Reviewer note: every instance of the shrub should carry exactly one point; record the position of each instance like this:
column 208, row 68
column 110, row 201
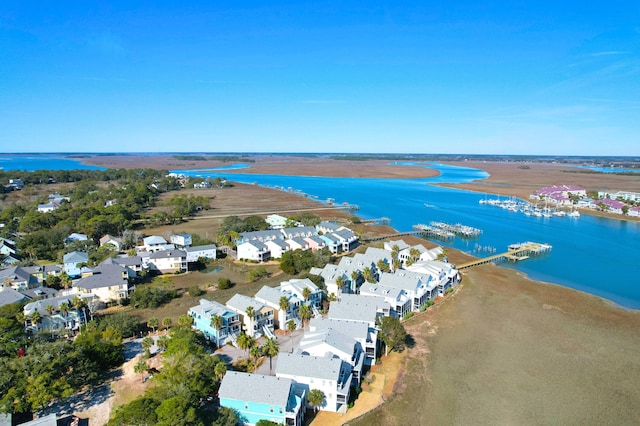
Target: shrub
column 195, row 291
column 407, row 316
column 224, row 283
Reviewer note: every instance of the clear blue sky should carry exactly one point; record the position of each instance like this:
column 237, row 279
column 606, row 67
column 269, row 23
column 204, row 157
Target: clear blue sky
column 504, row 77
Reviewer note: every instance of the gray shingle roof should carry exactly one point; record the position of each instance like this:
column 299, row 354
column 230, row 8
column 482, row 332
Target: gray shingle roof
column 76, row 257
column 333, row 338
column 240, row 303
column 356, row 308
column 164, row 254
column 323, row 368
column 103, row 276
column 255, row 388
column 9, row 295
column 200, row 248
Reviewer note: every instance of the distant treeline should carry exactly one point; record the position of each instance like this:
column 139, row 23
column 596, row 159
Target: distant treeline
column 596, row 172
column 53, row 176
column 222, row 158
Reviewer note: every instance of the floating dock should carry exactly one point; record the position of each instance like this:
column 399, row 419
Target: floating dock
column 515, row 253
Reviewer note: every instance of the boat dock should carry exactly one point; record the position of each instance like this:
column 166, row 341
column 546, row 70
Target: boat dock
column 458, row 229
column 515, row 252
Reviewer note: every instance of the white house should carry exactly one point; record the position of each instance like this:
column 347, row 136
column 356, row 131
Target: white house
column 260, row 322
column 181, row 240
column 276, row 221
column 254, row 250
column 167, row 261
column 277, row 248
column 155, row 243
column 115, row 242
column 108, row 282
column 196, row 252
column 332, row 376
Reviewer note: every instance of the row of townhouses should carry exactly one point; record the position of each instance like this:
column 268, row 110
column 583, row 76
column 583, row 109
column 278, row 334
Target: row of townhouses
column 333, row 351
column 261, row 246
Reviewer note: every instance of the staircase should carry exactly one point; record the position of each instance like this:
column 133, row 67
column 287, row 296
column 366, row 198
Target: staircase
column 268, row 332
column 233, row 339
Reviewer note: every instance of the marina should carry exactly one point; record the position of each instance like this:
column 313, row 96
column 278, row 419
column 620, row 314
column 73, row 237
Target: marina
column 514, row 253
column 518, row 206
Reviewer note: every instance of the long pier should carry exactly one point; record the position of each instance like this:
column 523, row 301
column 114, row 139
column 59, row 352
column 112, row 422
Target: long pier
column 515, row 252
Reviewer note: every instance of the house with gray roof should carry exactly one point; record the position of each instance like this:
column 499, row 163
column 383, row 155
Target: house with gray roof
column 348, row 239
column 253, row 250
column 256, row 397
column 333, row 343
column 315, row 243
column 260, row 322
column 270, row 296
column 167, row 261
column 443, row 274
column 133, row 264
column 365, row 335
column 155, row 243
column 299, row 232
column 418, row 287
column 298, row 243
column 208, row 251
column 332, row 376
column 388, row 245
column 261, row 236
column 18, row 278
column 9, row 296
column 356, row 307
column 276, row 248
column 328, row 227
column 230, row 321
column 107, row 282
column 398, row 300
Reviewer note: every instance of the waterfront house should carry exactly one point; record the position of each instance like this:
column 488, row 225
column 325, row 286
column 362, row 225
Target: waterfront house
column 418, row 287
column 331, row 376
column 107, row 282
column 400, row 244
column 442, row 274
column 256, row 397
column 611, row 206
column 202, row 185
column 399, row 302
column 228, row 330
column 634, row 211
column 253, row 250
column 194, row 253
column 361, row 331
column 261, row 320
column 347, row 238
column 331, row 343
column 328, row 227
column 73, row 263
column 559, row 194
column 167, row 261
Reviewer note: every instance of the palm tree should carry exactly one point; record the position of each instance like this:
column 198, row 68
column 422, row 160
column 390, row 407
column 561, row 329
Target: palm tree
column 147, row 343
column 64, row 309
column 284, row 303
column 141, row 367
column 250, row 313
column 414, row 253
column 304, row 313
column 256, row 353
column 35, row 319
column 355, row 275
column 306, row 293
column 339, row 282
column 50, row 309
column 291, row 326
column 220, row 369
column 367, row 273
column 163, row 342
column 166, row 322
column 185, row 320
column 22, row 318
column 245, row 342
column 77, row 303
column 315, row 398
column 152, row 323
column 217, row 322
column 395, row 251
column 382, row 265
column 271, row 349
column 396, row 263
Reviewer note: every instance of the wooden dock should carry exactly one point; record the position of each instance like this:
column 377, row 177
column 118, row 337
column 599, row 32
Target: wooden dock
column 516, row 252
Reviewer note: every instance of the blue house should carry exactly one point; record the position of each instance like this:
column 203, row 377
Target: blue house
column 255, row 397
column 73, row 261
column 206, row 310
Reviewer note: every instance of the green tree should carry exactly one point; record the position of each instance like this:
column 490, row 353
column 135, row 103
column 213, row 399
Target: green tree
column 255, row 352
column 166, row 322
column 220, row 370
column 140, row 412
column 147, row 343
column 315, row 398
column 185, row 320
column 250, row 314
column 50, row 309
column 141, row 367
column 152, row 323
column 304, row 313
column 271, row 349
column 392, row 333
column 306, row 293
column 217, row 322
column 284, row 304
column 176, row 411
column 291, row 326
column 245, row 342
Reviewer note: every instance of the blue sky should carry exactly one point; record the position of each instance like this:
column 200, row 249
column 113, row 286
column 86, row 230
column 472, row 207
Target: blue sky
column 513, row 77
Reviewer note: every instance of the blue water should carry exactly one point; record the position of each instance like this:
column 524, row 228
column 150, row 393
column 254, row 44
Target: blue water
column 591, row 254
column 609, row 169
column 30, row 163
column 237, row 166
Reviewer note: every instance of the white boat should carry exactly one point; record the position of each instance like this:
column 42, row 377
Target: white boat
column 574, row 214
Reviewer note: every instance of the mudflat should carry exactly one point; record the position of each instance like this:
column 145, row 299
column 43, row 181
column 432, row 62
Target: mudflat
column 508, row 350
column 270, row 164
